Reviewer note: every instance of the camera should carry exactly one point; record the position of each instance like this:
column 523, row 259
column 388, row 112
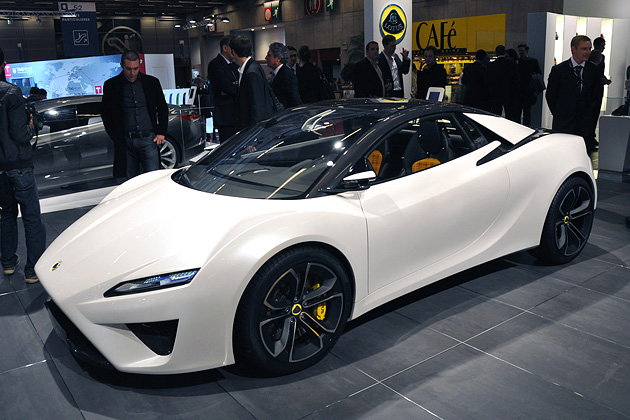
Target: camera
column 38, row 120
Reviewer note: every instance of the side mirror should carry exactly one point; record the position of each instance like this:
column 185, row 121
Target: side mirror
column 358, row 181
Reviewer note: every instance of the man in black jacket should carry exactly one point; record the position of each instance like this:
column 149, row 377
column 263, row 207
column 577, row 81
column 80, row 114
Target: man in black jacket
column 502, row 85
column 392, row 67
column 135, row 116
column 432, row 74
column 571, row 92
column 368, row 77
column 474, row 78
column 17, row 183
column 283, row 82
column 223, row 77
column 527, row 66
column 254, row 97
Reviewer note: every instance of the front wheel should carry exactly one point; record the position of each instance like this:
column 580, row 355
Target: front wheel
column 568, row 223
column 292, row 312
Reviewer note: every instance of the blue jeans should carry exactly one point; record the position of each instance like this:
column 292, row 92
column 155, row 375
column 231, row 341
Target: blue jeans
column 143, row 155
column 17, row 187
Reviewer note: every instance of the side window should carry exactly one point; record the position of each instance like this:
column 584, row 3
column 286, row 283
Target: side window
column 60, row 118
column 421, row 144
column 89, row 113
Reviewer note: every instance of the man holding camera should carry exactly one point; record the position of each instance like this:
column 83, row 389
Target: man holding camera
column 17, row 183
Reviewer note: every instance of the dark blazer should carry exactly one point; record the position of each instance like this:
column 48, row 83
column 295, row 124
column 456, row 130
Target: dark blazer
column 223, row 79
column 572, row 110
column 254, row 97
column 527, row 67
column 309, row 83
column 502, row 81
column 112, row 113
column 403, row 68
column 367, row 84
column 285, row 87
column 434, row 76
column 474, row 78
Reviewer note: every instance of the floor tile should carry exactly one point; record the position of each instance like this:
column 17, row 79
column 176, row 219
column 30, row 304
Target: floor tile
column 388, row 344
column 21, row 345
column 36, row 391
column 375, row 403
column 582, row 363
column 458, row 312
column 464, row 383
column 589, row 311
column 615, row 281
column 147, row 397
column 295, row 396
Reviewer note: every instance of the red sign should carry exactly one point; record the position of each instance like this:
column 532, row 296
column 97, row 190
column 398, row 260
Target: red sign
column 268, row 13
column 98, row 90
column 312, row 7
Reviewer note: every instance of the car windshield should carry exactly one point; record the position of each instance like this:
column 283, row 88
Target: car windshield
column 284, row 157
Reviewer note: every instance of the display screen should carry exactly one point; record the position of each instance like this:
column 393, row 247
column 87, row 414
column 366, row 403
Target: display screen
column 68, row 77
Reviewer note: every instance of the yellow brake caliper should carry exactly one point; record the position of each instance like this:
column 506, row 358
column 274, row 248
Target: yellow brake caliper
column 320, row 310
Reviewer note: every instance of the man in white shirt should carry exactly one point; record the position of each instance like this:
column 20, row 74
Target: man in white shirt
column 392, row 67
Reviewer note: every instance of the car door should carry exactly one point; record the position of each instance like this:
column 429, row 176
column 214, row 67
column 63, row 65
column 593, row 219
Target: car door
column 95, row 146
column 418, row 217
column 56, row 155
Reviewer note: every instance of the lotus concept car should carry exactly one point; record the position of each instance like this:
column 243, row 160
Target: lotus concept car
column 263, row 250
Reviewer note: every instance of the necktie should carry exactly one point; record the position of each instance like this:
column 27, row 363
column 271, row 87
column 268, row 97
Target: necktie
column 578, row 75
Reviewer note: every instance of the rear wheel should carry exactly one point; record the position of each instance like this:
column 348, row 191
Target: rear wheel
column 169, row 154
column 293, row 311
column 568, row 223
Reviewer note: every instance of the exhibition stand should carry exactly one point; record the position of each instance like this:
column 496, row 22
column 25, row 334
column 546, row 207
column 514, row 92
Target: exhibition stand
column 614, row 143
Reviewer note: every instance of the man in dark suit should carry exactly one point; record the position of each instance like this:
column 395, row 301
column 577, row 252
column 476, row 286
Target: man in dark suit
column 572, row 92
column 135, row 116
column 393, row 67
column 368, row 77
column 432, row 74
column 223, row 77
column 502, row 85
column 254, row 97
column 283, row 82
column 527, row 66
column 474, row 78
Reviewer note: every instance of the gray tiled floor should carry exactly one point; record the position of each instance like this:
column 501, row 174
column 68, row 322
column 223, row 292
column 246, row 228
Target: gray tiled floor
column 510, row 339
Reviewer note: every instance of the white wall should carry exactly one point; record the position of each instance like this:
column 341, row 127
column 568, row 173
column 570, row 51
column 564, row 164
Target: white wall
column 161, row 66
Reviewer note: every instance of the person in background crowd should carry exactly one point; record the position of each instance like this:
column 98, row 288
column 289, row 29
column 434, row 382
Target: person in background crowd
column 308, row 77
column 368, row 77
column 432, row 74
column 223, row 77
column 254, row 93
column 43, row 94
column 33, row 95
column 511, row 54
column 392, row 67
column 526, row 97
column 597, row 57
column 292, row 63
column 572, row 92
column 17, row 184
column 502, row 85
column 283, row 82
column 135, row 116
column 474, row 79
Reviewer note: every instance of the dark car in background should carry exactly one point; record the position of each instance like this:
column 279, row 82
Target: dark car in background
column 73, row 148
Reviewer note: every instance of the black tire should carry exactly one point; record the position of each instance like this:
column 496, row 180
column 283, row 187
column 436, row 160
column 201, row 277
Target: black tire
column 169, row 154
column 568, row 223
column 292, row 312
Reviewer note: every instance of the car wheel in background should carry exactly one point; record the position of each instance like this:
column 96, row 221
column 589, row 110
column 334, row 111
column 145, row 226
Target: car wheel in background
column 292, row 312
column 169, row 154
column 568, row 223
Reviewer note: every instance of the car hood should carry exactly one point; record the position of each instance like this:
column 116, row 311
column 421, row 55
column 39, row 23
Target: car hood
column 148, row 226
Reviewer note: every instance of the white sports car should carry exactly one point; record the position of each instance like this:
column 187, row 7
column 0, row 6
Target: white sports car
column 260, row 252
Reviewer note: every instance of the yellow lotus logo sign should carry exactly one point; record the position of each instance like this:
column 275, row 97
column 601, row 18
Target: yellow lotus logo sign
column 393, row 22
column 55, row 266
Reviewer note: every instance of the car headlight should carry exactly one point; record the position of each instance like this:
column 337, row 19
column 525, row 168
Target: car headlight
column 151, row 283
